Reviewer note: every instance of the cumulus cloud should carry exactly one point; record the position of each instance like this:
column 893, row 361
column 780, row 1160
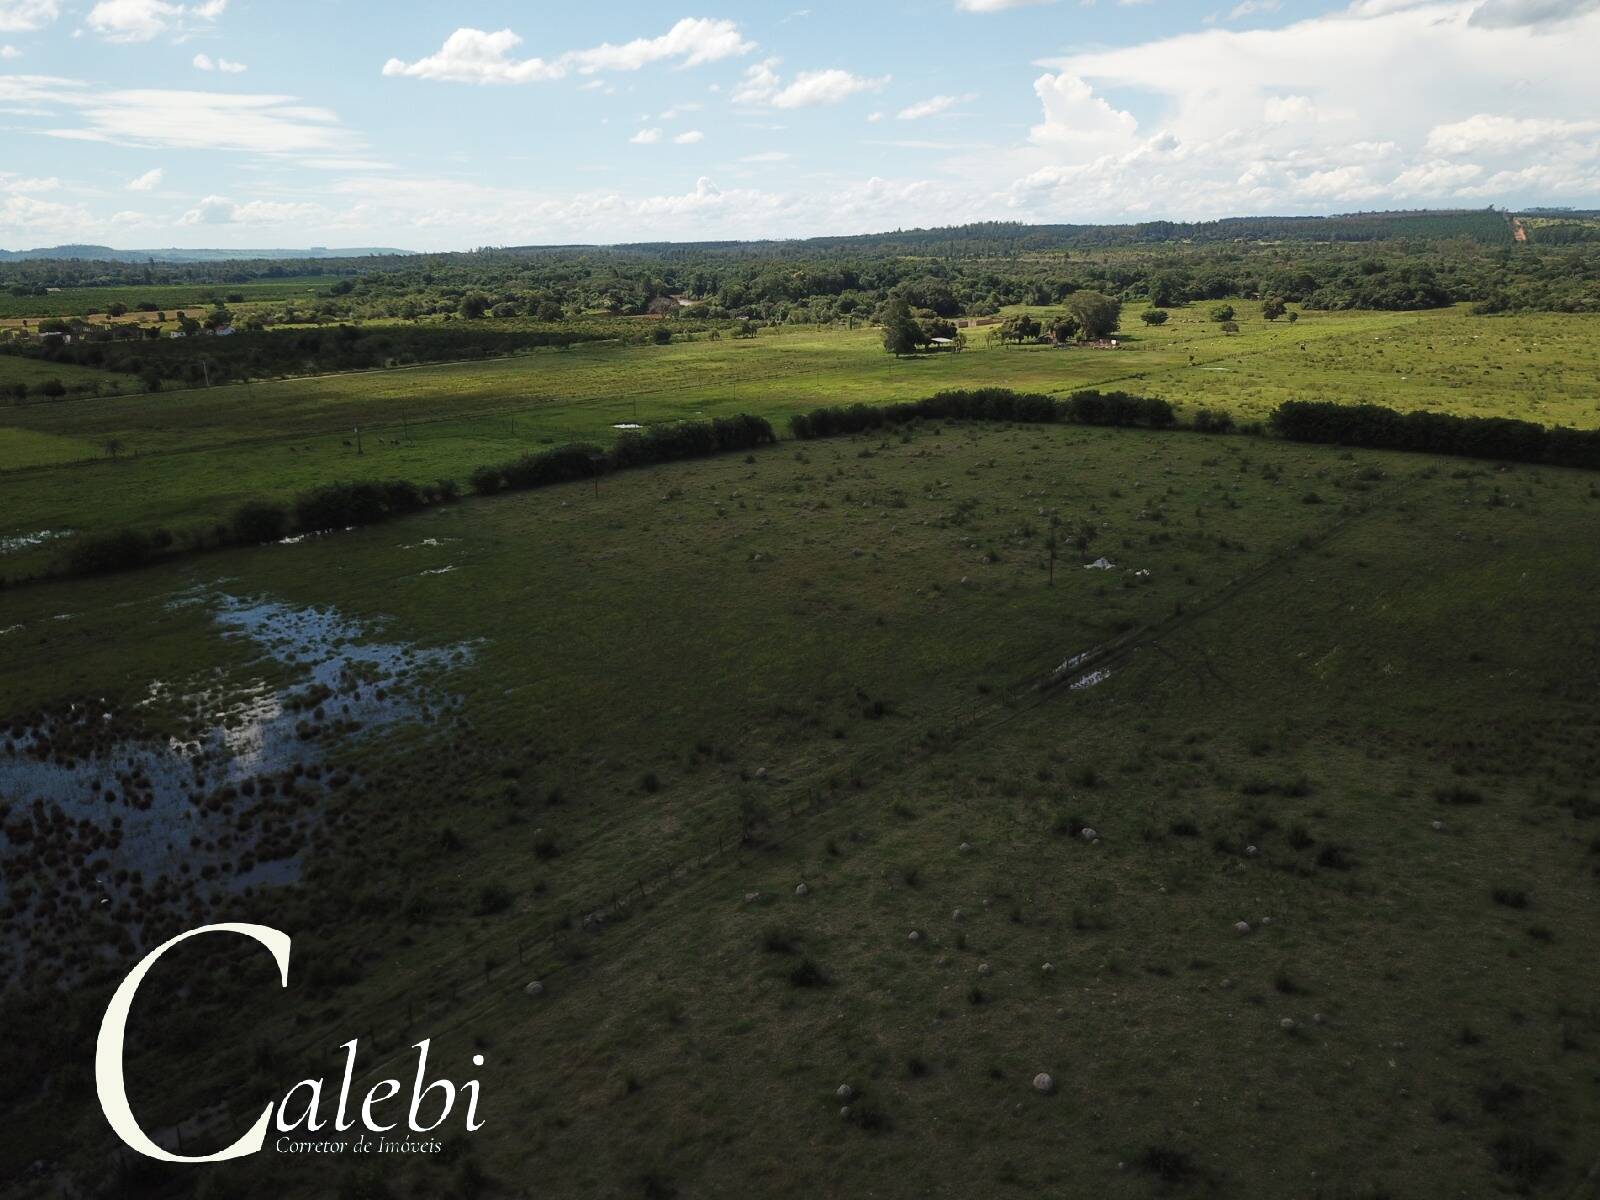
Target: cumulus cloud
column 1290, row 119
column 1073, row 114
column 1494, row 134
column 690, row 137
column 148, row 182
column 204, row 62
column 762, row 85
column 143, row 20
column 24, row 16
column 9, row 51
column 646, row 137
column 219, row 210
column 474, row 56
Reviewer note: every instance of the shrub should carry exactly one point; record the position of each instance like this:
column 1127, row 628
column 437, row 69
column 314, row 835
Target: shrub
column 116, row 551
column 1212, row 420
column 486, row 481
column 259, row 521
column 1374, row 427
column 492, row 898
column 807, row 974
column 339, row 505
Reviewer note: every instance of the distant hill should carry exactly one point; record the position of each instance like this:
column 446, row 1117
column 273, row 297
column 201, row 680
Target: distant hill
column 107, row 254
column 1487, row 226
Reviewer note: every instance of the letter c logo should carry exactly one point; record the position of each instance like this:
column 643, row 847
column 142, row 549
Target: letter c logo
column 108, row 1050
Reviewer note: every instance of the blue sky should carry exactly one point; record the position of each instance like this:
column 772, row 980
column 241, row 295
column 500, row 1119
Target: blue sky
column 427, row 126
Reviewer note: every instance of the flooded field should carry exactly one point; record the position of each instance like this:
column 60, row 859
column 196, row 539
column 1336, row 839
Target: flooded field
column 114, row 820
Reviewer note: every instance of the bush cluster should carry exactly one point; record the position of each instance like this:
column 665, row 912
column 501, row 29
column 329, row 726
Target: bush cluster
column 990, row 404
column 1377, row 428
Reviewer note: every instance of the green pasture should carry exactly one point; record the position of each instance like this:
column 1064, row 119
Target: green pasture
column 187, row 458
column 31, row 372
column 834, row 649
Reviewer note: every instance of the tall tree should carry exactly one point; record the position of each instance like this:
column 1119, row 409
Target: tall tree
column 901, row 333
column 1098, row 314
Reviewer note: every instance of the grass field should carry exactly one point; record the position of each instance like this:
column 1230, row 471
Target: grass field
column 822, row 665
column 191, row 456
column 31, row 372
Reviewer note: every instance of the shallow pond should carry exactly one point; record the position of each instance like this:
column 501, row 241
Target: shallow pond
column 94, row 818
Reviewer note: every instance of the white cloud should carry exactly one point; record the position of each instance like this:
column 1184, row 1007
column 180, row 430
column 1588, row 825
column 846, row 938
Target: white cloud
column 24, row 16
column 988, row 6
column 933, row 106
column 47, row 221
column 689, row 138
column 763, row 85
column 474, row 56
column 143, row 20
column 1074, row 114
column 1289, row 110
column 17, row 184
column 219, row 210
column 193, row 120
column 9, row 52
column 204, row 62
column 1498, row 134
column 1349, row 108
column 147, row 182
column 646, row 137
column 1247, row 8
column 1507, row 14
column 759, row 84
column 1435, row 178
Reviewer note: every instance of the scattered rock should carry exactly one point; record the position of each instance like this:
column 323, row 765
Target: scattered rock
column 914, row 936
column 966, row 847
column 1286, row 1024
column 1088, row 835
column 1251, row 851
column 1048, row 969
column 844, row 1113
column 752, row 897
column 1043, row 1084
column 534, row 989
column 801, row 889
column 1438, row 826
column 983, row 969
column 1241, row 927
column 1318, row 1018
column 958, row 915
column 845, row 1092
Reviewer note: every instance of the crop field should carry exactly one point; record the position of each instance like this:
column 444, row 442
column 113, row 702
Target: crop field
column 189, row 457
column 598, row 738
